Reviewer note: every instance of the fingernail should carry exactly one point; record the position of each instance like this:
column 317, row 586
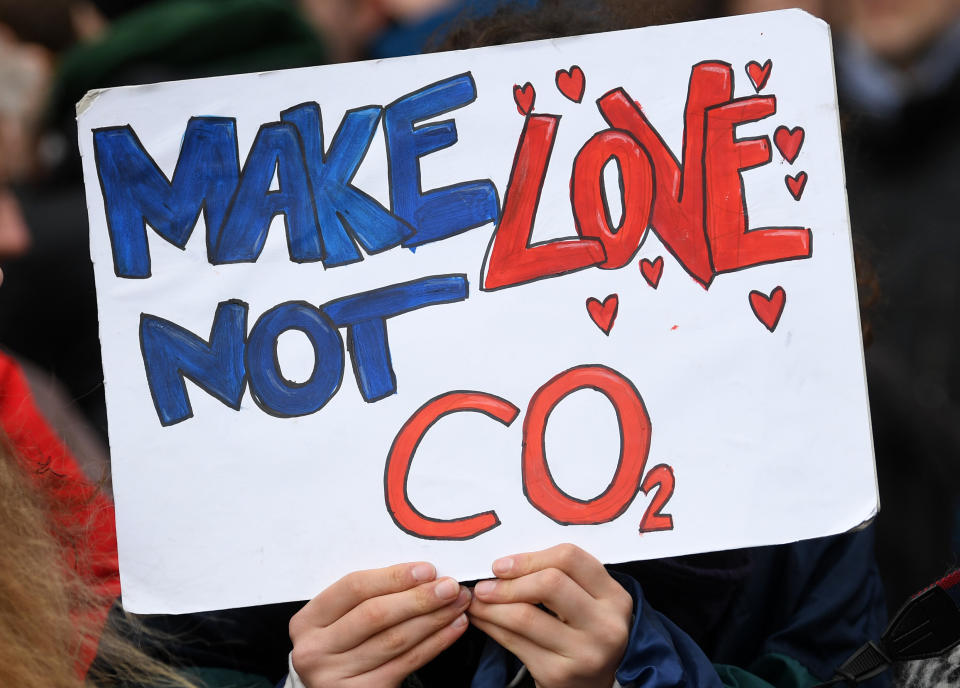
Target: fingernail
column 485, row 587
column 464, row 597
column 447, row 589
column 460, row 621
column 502, row 566
column 423, row 572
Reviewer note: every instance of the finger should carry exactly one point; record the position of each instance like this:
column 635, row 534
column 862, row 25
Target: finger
column 582, row 567
column 396, row 640
column 528, row 621
column 551, row 587
column 376, row 615
column 528, row 652
column 417, row 656
column 354, row 588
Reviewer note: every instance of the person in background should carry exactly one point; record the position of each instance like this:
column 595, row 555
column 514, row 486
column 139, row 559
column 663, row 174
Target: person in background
column 898, row 65
column 62, row 625
column 59, row 579
column 26, row 68
column 58, row 570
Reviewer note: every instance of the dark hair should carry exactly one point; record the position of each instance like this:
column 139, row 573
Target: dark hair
column 48, row 580
column 111, row 9
column 515, row 23
column 48, row 23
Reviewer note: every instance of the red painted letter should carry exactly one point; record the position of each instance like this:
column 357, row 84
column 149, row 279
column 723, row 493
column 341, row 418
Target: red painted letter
column 538, row 483
column 510, row 259
column 732, row 244
column 678, row 209
column 405, row 445
column 590, row 208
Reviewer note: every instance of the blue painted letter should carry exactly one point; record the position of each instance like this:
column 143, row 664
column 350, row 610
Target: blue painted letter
column 136, row 191
column 365, row 317
column 342, row 209
column 240, row 239
column 270, row 389
column 444, row 212
column 171, row 353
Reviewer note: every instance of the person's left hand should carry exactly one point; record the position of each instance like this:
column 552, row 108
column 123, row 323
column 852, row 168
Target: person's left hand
column 581, row 644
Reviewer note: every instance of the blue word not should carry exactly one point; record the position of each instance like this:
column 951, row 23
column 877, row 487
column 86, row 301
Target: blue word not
column 223, row 365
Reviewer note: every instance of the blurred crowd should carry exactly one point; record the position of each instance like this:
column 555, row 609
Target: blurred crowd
column 898, row 78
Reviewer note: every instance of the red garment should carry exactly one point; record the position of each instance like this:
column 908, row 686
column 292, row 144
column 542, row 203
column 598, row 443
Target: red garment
column 81, row 508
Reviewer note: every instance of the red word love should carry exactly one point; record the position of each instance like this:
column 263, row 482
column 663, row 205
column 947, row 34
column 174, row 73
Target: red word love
column 696, row 205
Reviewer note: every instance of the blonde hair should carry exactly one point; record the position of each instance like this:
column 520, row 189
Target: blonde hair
column 50, row 614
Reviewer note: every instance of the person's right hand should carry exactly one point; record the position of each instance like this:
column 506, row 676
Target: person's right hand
column 374, row 628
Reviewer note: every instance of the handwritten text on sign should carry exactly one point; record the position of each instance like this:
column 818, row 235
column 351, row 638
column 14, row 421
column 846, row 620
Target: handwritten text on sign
column 295, row 180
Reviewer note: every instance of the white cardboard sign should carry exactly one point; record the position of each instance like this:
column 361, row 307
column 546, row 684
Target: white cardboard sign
column 455, row 306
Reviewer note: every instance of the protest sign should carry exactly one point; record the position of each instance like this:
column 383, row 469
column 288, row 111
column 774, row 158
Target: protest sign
column 455, row 306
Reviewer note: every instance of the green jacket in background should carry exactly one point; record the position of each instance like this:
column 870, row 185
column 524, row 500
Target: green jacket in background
column 185, row 39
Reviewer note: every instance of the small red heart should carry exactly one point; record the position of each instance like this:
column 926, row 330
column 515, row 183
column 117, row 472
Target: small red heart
column 796, row 184
column 571, row 83
column 759, row 75
column 768, row 309
column 524, row 97
column 789, row 142
column 652, row 270
column 603, row 314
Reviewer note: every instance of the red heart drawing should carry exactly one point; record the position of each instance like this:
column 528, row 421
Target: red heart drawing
column 652, row 270
column 759, row 75
column 524, row 97
column 796, row 184
column 789, row 142
column 571, row 83
column 603, row 314
column 768, row 309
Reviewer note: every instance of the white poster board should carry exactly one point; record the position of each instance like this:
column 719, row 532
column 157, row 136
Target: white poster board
column 455, row 306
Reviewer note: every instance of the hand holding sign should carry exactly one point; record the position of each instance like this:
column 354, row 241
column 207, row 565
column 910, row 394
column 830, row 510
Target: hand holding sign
column 581, row 643
column 374, row 628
